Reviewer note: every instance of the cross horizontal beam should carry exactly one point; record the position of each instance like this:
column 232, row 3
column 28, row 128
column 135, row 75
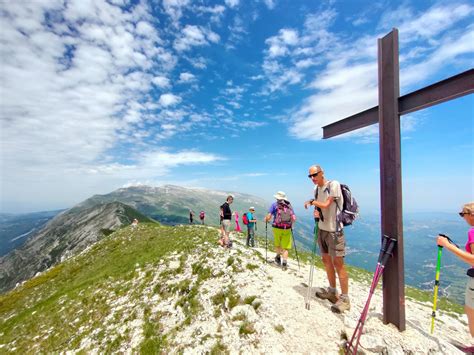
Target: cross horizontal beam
column 445, row 90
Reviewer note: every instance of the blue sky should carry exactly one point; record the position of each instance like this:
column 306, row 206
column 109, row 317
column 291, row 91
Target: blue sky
column 228, row 95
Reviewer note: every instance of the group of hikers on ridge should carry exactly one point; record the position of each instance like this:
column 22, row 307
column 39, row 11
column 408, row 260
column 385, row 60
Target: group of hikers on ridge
column 327, row 201
column 329, row 214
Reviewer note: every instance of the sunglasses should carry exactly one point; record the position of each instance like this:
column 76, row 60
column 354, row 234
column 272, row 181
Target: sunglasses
column 313, row 175
column 463, row 213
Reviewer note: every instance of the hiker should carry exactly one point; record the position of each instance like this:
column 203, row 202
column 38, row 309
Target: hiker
column 283, row 218
column 134, row 223
column 202, row 215
column 251, row 221
column 331, row 241
column 468, row 257
column 226, row 216
column 237, row 225
column 191, row 216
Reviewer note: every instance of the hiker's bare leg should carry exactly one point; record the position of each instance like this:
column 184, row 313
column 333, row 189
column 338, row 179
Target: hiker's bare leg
column 338, row 262
column 330, row 272
column 470, row 319
column 284, row 254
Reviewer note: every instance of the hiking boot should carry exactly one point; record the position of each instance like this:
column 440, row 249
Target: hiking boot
column 284, row 266
column 325, row 294
column 342, row 304
column 278, row 259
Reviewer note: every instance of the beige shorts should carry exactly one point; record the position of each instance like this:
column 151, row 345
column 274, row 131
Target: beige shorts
column 332, row 243
column 226, row 225
column 469, row 299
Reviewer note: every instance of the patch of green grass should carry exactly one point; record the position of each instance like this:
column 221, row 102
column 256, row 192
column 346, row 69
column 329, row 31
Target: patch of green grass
column 230, row 294
column 251, row 267
column 279, row 328
column 230, row 260
column 239, row 317
column 443, row 303
column 256, row 305
column 219, row 348
column 246, row 328
column 249, row 299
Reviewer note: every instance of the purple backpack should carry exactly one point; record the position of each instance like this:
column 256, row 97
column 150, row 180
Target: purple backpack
column 284, row 215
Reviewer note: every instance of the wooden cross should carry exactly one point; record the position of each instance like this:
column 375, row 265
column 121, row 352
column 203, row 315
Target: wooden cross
column 387, row 115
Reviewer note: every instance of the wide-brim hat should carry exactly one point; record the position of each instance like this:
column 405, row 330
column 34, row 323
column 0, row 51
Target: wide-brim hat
column 280, row 195
column 251, row 208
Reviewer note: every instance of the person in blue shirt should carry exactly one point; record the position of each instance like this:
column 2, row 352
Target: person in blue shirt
column 251, row 227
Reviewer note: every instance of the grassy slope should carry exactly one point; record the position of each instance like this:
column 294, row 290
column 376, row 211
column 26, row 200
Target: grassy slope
column 58, row 309
column 65, row 296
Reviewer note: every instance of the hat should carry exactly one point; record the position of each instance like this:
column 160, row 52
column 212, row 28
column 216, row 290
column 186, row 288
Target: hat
column 280, row 195
column 251, row 208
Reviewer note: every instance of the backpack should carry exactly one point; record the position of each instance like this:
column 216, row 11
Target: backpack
column 284, row 215
column 350, row 208
column 202, row 214
column 245, row 218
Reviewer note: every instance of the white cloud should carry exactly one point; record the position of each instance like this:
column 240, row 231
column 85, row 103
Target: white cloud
column 192, row 36
column 169, row 100
column 232, row 3
column 186, row 77
column 174, row 8
column 270, row 3
column 348, row 83
column 76, row 101
column 161, row 81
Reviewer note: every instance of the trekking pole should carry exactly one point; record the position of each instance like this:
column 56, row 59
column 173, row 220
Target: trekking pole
column 296, row 251
column 386, row 250
column 436, row 286
column 266, row 241
column 311, row 269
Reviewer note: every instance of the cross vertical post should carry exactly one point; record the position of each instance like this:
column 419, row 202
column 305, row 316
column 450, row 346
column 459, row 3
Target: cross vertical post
column 391, row 178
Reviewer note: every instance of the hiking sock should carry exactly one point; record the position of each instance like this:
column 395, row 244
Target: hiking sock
column 332, row 289
column 344, row 296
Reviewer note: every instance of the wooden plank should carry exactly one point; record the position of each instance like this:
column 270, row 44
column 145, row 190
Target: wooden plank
column 391, row 178
column 444, row 90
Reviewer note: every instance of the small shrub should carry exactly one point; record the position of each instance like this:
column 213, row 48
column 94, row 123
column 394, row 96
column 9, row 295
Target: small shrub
column 251, row 267
column 246, row 328
column 249, row 299
column 279, row 328
column 239, row 317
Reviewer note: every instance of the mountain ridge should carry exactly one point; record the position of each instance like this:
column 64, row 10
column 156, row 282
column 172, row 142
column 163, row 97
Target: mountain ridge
column 160, row 289
column 66, row 234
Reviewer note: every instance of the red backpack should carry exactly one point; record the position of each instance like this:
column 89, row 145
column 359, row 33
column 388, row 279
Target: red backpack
column 245, row 219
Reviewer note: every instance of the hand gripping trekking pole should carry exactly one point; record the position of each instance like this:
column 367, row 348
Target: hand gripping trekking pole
column 296, row 251
column 435, row 292
column 386, row 250
column 311, row 269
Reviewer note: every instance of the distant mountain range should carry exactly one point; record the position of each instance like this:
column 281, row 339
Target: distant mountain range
column 170, row 204
column 72, row 231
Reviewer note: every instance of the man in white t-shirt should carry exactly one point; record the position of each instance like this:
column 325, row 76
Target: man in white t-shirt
column 328, row 201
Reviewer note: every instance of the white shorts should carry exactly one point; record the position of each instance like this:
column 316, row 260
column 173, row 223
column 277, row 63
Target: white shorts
column 469, row 299
column 226, row 225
